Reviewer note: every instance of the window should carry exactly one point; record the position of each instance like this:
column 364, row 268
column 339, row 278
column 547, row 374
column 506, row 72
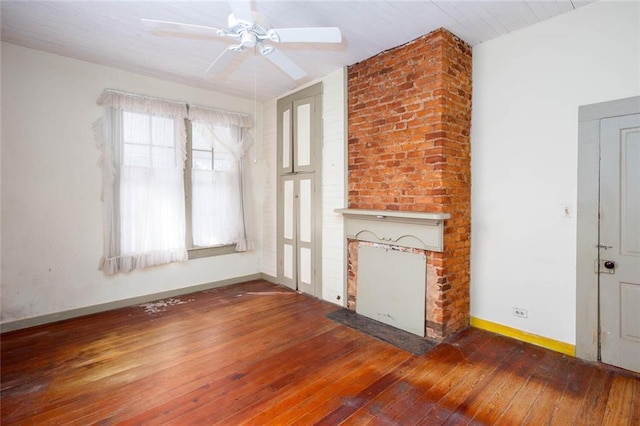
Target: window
column 151, row 190
column 145, row 149
column 216, row 195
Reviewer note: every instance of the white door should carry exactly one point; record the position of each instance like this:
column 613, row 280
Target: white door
column 619, row 262
column 297, row 239
column 299, row 227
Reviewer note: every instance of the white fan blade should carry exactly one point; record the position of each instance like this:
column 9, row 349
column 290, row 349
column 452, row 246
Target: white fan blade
column 309, row 35
column 242, row 10
column 221, row 62
column 285, row 64
column 178, row 28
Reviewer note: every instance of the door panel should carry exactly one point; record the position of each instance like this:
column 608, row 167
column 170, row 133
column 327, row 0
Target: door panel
column 629, row 190
column 303, row 131
column 288, row 262
column 306, row 271
column 288, row 212
column 306, row 211
column 629, row 314
column 305, row 233
column 303, row 135
column 297, row 243
column 288, row 237
column 620, row 241
column 286, row 141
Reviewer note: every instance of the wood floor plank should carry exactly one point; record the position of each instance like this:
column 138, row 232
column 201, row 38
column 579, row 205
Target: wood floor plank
column 344, row 391
column 524, row 398
column 99, row 377
column 437, row 365
column 91, row 343
column 209, row 368
column 634, row 415
column 620, row 407
column 320, row 376
column 450, row 395
column 365, row 396
column 257, row 353
column 594, row 404
column 297, row 405
column 164, row 369
column 398, row 397
column 391, row 405
column 493, row 348
column 568, row 404
column 243, row 384
column 491, row 397
column 546, row 401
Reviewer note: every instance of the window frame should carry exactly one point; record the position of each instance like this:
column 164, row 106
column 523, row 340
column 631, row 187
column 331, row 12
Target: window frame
column 192, row 251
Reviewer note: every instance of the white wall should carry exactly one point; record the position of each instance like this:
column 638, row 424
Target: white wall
column 51, row 182
column 527, row 87
column 269, row 253
column 333, row 185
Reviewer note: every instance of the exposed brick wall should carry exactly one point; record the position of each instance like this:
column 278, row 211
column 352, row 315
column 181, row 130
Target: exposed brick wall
column 409, row 150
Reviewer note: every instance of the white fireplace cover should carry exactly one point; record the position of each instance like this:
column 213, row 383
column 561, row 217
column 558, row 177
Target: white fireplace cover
column 391, row 286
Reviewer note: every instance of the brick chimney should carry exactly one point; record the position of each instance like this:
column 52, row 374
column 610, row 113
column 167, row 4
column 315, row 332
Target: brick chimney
column 409, row 150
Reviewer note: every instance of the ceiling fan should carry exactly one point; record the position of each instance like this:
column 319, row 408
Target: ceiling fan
column 251, row 30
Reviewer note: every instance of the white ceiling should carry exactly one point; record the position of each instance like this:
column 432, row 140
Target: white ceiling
column 110, row 33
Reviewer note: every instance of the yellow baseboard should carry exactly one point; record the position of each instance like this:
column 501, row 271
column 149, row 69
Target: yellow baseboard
column 545, row 342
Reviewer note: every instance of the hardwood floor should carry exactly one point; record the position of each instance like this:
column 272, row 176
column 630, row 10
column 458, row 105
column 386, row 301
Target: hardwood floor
column 257, row 354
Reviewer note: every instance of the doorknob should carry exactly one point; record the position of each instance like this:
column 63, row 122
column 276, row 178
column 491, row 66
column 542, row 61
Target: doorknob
column 605, row 266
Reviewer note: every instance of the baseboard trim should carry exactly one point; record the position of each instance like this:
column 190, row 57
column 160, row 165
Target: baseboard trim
column 73, row 313
column 271, row 279
column 545, row 342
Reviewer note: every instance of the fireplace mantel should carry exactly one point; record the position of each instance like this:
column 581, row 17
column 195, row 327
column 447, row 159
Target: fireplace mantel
column 405, row 229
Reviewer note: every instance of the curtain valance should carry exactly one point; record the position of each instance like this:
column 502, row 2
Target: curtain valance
column 143, row 104
column 219, row 118
column 170, row 108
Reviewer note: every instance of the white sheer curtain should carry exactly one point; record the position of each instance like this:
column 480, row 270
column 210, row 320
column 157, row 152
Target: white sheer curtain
column 143, row 145
column 219, row 142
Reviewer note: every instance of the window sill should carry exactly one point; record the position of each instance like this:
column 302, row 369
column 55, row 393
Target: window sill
column 200, row 252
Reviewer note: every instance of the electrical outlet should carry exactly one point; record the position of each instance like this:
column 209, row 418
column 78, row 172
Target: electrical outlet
column 519, row 312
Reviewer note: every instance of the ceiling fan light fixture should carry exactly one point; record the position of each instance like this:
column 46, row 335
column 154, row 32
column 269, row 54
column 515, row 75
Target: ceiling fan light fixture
column 236, row 48
column 272, row 36
column 265, row 49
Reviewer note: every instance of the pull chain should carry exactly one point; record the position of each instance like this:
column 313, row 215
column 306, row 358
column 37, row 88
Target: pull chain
column 255, row 109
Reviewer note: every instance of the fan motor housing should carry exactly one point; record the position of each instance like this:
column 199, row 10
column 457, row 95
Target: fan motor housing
column 259, row 27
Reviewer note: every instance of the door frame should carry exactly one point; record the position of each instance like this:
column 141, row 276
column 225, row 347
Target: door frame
column 587, row 280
